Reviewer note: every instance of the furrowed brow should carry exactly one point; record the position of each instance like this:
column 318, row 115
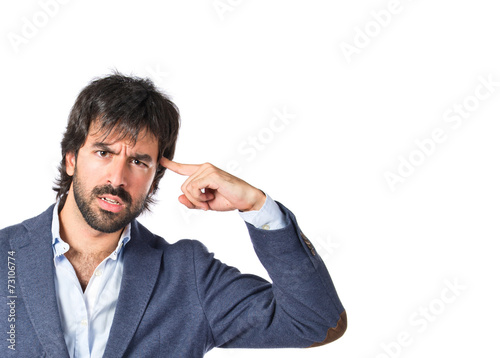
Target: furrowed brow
column 146, row 158
column 103, row 146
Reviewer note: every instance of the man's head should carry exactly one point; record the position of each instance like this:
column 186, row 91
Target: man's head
column 109, row 111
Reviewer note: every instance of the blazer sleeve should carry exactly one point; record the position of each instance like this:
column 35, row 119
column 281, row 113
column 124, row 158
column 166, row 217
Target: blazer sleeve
column 300, row 308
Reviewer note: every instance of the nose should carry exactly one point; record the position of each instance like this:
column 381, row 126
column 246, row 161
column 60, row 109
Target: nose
column 117, row 172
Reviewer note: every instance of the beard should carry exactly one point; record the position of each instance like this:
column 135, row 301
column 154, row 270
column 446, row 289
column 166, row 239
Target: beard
column 103, row 220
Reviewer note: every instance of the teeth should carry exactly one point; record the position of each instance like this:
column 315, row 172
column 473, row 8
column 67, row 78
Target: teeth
column 110, row 201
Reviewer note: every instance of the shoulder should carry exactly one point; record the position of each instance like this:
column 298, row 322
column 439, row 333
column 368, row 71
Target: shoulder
column 187, row 254
column 40, row 222
column 184, row 246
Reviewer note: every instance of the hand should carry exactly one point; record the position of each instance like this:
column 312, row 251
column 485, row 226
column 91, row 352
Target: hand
column 210, row 188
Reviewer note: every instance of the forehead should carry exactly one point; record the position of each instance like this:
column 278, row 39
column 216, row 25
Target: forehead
column 145, row 142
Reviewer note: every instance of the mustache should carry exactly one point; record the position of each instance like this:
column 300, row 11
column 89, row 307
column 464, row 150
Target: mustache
column 109, row 189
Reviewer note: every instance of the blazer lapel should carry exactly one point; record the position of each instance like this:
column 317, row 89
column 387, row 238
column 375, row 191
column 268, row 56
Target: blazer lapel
column 35, row 270
column 140, row 271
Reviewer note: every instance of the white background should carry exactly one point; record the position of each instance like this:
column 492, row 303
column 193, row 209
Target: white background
column 355, row 118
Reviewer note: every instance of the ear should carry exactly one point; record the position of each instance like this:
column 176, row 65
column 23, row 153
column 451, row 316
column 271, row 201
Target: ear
column 70, row 163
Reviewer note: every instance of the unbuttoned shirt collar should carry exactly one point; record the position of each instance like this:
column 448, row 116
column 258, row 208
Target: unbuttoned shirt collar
column 60, row 247
column 86, row 316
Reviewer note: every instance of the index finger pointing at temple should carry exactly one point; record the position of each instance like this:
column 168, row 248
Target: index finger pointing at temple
column 182, row 169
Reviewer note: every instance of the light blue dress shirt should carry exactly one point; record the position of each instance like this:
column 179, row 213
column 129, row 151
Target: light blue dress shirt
column 86, row 317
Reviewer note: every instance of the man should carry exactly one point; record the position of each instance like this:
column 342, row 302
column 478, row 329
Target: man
column 85, row 279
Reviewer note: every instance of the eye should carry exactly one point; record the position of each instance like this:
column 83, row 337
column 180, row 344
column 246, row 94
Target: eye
column 102, row 153
column 138, row 163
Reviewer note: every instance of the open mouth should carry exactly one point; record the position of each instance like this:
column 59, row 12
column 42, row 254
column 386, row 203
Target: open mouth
column 114, row 205
column 111, row 201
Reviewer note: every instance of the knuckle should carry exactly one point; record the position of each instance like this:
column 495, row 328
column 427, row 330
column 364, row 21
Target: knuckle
column 190, row 187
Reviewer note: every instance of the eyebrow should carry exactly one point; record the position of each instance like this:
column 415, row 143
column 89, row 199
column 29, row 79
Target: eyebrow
column 146, row 158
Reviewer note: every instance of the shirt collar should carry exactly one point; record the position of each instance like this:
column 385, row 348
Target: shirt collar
column 60, row 247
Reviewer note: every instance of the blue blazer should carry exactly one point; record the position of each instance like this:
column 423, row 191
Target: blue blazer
column 176, row 300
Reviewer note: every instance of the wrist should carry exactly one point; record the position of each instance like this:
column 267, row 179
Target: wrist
column 258, row 200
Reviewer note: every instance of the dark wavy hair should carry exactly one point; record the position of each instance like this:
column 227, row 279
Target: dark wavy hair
column 122, row 105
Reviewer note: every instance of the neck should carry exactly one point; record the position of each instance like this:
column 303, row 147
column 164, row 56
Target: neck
column 80, row 236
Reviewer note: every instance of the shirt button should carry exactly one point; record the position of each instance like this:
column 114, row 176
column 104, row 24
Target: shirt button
column 98, row 273
column 266, row 227
column 84, row 322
